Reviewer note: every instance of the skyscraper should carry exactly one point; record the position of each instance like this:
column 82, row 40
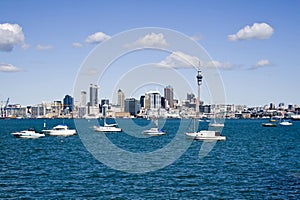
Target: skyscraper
column 142, row 101
column 132, row 106
column 68, row 103
column 83, row 98
column 153, row 100
column 94, row 95
column 121, row 98
column 169, row 96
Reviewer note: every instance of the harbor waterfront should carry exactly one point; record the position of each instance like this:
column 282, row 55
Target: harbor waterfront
column 254, row 162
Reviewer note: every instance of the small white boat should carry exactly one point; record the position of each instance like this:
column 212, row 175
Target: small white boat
column 154, row 132
column 295, row 117
column 269, row 125
column 206, row 135
column 60, row 130
column 286, row 123
column 107, row 127
column 216, row 125
column 30, row 133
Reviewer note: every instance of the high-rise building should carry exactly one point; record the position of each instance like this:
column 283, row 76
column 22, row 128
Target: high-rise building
column 272, row 106
column 132, row 106
column 104, row 101
column 94, row 95
column 121, row 98
column 163, row 102
column 82, row 98
column 142, row 101
column 190, row 97
column 153, row 100
column 68, row 103
column 169, row 96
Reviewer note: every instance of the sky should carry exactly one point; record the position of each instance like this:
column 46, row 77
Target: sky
column 254, row 44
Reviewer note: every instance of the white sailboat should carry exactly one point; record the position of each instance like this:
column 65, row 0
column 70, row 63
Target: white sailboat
column 107, row 127
column 154, row 131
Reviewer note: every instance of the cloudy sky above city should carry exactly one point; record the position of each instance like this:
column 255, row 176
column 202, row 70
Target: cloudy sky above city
column 254, row 44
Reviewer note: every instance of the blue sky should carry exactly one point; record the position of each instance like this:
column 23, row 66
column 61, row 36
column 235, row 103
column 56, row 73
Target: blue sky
column 256, row 70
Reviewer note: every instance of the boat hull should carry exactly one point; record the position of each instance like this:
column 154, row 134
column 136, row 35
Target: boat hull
column 154, row 132
column 269, row 125
column 30, row 135
column 216, row 125
column 206, row 136
column 285, row 123
column 107, row 129
column 62, row 133
column 60, row 130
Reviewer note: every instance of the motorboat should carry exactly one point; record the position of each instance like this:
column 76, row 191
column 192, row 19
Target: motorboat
column 216, row 125
column 60, row 130
column 269, row 125
column 286, row 123
column 154, row 132
column 295, row 117
column 30, row 133
column 206, row 135
column 107, row 127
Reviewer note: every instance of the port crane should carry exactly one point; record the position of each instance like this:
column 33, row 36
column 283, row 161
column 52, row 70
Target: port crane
column 3, row 109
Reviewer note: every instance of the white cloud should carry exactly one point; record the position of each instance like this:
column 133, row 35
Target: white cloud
column 96, row 38
column 43, row 47
column 256, row 31
column 181, row 60
column 76, row 44
column 261, row 63
column 220, row 65
column 8, row 68
column 10, row 35
column 149, row 40
column 197, row 37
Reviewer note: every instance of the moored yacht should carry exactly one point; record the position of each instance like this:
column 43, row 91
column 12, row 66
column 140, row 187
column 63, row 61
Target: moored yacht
column 269, row 125
column 285, row 123
column 30, row 133
column 107, row 127
column 295, row 117
column 156, row 131
column 216, row 125
column 60, row 130
column 206, row 135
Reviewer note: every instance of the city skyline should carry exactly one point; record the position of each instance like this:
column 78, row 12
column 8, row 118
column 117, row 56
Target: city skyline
column 254, row 45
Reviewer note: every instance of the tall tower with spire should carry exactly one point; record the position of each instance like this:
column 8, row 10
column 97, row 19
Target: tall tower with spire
column 199, row 82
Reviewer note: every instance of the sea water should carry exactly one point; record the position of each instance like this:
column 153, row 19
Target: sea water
column 254, row 162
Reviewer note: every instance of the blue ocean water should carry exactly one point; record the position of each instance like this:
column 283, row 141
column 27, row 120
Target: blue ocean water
column 254, row 162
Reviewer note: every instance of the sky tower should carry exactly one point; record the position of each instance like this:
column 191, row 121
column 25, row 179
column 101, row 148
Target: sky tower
column 199, row 81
